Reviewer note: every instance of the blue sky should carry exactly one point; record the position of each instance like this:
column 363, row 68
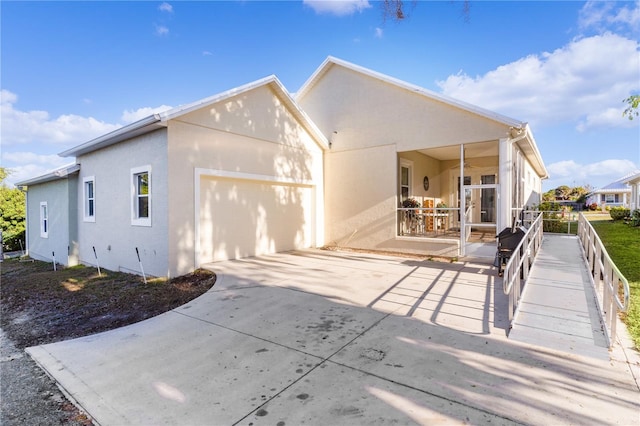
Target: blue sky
column 72, row 71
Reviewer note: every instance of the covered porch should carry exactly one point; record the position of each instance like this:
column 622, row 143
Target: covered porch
column 494, row 176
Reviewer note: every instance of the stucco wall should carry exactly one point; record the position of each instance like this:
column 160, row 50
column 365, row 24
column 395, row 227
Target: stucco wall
column 252, row 136
column 365, row 111
column 56, row 195
column 112, row 234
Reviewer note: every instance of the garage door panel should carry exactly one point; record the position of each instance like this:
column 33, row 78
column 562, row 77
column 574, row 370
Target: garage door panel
column 241, row 218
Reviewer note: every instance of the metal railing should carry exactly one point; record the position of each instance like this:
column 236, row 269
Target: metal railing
column 608, row 281
column 426, row 221
column 517, row 268
column 555, row 221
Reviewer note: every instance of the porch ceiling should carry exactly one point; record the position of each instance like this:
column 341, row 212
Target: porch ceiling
column 472, row 150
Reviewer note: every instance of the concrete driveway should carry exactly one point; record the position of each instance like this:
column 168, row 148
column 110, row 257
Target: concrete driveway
column 326, row 338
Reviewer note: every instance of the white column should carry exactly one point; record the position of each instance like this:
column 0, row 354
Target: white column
column 506, row 183
column 463, row 207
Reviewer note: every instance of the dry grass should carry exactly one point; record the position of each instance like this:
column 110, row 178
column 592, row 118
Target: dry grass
column 41, row 306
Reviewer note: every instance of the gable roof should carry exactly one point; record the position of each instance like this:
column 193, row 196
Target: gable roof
column 159, row 120
column 520, row 131
column 57, row 174
column 331, row 61
column 620, row 185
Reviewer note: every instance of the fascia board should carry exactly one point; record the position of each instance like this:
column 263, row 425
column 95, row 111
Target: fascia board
column 137, row 128
column 61, row 173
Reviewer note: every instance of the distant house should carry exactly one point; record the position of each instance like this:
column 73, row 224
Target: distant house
column 634, row 185
column 355, row 159
column 615, row 194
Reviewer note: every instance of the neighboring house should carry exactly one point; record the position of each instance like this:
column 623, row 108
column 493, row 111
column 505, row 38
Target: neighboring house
column 255, row 171
column 615, row 194
column 633, row 181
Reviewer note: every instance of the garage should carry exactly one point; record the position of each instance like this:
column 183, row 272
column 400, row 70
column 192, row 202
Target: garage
column 249, row 217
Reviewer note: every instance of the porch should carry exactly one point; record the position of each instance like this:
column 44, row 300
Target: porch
column 430, row 184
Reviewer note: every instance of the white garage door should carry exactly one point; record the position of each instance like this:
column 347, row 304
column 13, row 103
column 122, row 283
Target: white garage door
column 241, row 218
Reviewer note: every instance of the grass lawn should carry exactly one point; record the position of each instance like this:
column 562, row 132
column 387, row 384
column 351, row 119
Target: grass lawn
column 623, row 245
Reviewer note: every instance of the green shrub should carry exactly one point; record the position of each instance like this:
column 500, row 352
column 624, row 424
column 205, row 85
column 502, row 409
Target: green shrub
column 635, row 218
column 619, row 213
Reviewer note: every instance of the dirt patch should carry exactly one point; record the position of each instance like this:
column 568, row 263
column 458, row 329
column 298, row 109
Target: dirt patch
column 39, row 306
column 42, row 306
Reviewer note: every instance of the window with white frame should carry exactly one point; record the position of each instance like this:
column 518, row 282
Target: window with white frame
column 89, row 184
column 611, row 198
column 44, row 219
column 406, row 169
column 141, row 196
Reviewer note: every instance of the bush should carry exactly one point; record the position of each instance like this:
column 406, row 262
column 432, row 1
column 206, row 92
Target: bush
column 593, row 206
column 619, row 213
column 635, row 218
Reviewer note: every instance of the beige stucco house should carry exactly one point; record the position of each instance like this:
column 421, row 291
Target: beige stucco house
column 256, row 170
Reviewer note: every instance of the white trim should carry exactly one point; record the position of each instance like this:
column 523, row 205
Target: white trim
column 252, row 176
column 135, row 220
column 85, row 199
column 44, row 220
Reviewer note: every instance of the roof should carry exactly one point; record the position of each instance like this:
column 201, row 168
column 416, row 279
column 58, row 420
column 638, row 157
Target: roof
column 517, row 126
column 61, row 173
column 633, row 176
column 620, row 185
column 159, row 120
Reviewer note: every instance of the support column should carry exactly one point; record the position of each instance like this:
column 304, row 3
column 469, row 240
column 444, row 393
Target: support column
column 463, row 207
column 506, row 183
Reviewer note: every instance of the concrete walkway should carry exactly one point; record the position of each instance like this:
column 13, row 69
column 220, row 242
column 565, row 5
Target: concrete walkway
column 327, row 338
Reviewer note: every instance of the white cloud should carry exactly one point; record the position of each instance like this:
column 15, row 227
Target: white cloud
column 583, row 82
column 21, row 127
column 206, row 53
column 338, row 7
column 161, row 30
column 605, row 15
column 379, row 32
column 129, row 116
column 27, row 165
column 596, row 174
column 165, row 7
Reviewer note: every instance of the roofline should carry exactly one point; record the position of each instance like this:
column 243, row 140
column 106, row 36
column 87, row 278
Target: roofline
column 61, row 173
column 159, row 120
column 330, row 60
column 536, row 152
column 137, row 128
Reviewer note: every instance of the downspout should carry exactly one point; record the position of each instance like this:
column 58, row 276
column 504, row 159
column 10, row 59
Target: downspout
column 516, row 135
column 26, row 222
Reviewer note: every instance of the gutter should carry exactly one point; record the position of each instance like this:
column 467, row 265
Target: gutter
column 145, row 125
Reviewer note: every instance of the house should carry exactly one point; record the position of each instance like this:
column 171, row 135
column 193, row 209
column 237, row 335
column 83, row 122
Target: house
column 633, row 180
column 355, row 159
column 615, row 194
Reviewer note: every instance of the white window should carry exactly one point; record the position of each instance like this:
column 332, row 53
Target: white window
column 611, row 198
column 44, row 220
column 89, row 199
column 406, row 171
column 141, row 196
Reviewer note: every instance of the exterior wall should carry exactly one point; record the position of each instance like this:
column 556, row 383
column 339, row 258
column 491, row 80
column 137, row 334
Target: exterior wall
column 370, row 122
column 365, row 112
column 250, row 138
column 112, row 234
column 56, row 195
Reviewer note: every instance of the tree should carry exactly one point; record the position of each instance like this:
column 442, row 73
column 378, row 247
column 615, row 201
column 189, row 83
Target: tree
column 12, row 214
column 396, row 10
column 633, row 103
column 562, row 192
